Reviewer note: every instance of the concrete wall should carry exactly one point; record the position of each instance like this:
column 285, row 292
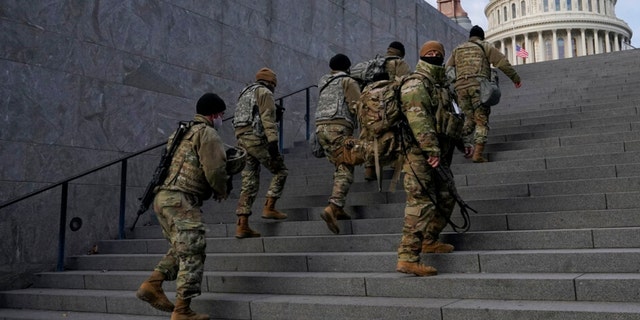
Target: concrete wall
column 83, row 83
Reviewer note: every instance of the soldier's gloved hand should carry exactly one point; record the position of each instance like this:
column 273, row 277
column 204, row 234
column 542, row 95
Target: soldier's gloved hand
column 219, row 197
column 274, row 152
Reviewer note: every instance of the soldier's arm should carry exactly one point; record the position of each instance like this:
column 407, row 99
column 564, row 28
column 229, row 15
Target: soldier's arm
column 501, row 62
column 213, row 160
column 414, row 99
column 351, row 93
column 267, row 110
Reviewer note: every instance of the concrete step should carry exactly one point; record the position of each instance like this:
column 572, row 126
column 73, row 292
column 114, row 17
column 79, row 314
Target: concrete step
column 617, row 287
column 289, row 307
column 611, row 260
column 371, row 242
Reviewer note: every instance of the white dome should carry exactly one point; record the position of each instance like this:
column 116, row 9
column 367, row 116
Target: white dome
column 555, row 29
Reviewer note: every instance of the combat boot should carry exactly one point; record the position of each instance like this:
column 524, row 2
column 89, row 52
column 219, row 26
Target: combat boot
column 329, row 216
column 151, row 292
column 370, row 173
column 435, row 246
column 243, row 230
column 182, row 311
column 270, row 212
column 416, row 268
column 477, row 154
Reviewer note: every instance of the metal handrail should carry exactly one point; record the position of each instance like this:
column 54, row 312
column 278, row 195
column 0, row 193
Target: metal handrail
column 123, row 184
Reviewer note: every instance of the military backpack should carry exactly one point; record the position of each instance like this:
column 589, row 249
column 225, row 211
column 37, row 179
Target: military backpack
column 364, row 71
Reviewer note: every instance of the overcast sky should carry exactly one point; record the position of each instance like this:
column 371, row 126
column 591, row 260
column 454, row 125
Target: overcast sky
column 627, row 10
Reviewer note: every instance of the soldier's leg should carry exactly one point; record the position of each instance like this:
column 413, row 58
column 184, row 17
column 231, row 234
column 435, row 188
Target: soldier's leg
column 250, row 183
column 189, row 243
column 165, row 204
column 466, row 105
column 248, row 191
column 416, row 179
column 278, row 169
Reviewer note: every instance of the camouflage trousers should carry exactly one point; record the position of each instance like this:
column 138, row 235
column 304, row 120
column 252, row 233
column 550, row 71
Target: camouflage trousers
column 180, row 217
column 476, row 124
column 257, row 156
column 331, row 138
column 422, row 219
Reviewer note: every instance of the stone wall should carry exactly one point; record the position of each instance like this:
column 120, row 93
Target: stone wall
column 84, row 83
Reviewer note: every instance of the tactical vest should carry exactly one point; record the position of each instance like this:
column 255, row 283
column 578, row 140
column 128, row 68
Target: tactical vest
column 471, row 61
column 332, row 103
column 447, row 122
column 185, row 173
column 247, row 113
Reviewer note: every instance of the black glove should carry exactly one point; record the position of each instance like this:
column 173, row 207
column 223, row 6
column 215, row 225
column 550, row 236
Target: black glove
column 274, row 152
column 229, row 185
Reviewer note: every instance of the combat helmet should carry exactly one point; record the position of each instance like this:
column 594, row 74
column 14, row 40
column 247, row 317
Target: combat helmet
column 236, row 157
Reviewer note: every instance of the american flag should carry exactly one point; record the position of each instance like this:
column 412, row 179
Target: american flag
column 521, row 52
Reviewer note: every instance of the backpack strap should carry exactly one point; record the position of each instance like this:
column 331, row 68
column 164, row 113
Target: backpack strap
column 484, row 52
column 331, row 80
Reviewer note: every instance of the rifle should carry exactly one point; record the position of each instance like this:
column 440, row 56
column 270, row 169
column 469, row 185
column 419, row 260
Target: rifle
column 446, row 176
column 161, row 171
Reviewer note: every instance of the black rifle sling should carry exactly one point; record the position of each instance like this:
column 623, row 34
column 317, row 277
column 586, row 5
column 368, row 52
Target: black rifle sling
column 445, row 178
column 328, row 82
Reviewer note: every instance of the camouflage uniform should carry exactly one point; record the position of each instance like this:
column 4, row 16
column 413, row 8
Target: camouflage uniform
column 422, row 220
column 197, row 171
column 470, row 62
column 335, row 122
column 396, row 68
column 255, row 127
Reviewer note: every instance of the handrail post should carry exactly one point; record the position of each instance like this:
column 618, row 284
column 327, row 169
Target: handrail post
column 306, row 116
column 281, row 127
column 123, row 198
column 63, row 226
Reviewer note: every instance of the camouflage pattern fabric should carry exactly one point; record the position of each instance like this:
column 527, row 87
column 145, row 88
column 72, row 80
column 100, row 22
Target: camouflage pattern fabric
column 331, row 138
column 331, row 102
column 421, row 217
column 257, row 156
column 476, row 124
column 180, row 217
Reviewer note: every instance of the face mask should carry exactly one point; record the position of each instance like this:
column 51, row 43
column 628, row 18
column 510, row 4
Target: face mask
column 217, row 122
column 438, row 61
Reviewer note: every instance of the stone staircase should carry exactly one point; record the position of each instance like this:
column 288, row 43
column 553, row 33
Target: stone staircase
column 557, row 235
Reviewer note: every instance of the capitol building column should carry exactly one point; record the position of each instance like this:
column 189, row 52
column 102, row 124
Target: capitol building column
column 606, row 41
column 596, row 42
column 569, row 45
column 541, row 47
column 554, row 45
column 584, row 42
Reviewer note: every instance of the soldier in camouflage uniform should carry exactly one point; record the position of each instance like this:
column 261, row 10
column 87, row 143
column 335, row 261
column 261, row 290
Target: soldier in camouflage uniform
column 429, row 203
column 197, row 172
column 257, row 132
column 335, row 121
column 471, row 60
column 396, row 69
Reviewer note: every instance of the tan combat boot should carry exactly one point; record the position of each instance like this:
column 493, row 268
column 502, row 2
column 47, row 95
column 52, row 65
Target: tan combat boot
column 150, row 291
column 243, row 230
column 370, row 173
column 416, row 268
column 182, row 311
column 477, row 154
column 270, row 212
column 435, row 246
column 329, row 216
